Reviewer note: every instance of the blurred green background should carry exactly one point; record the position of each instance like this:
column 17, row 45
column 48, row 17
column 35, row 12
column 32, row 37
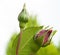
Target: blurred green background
column 48, row 50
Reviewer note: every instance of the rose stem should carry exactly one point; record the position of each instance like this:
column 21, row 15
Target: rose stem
column 18, row 43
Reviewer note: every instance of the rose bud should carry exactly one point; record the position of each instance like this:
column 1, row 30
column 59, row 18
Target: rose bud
column 42, row 38
column 23, row 17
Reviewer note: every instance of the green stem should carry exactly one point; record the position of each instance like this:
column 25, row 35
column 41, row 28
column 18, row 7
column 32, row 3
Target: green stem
column 18, row 44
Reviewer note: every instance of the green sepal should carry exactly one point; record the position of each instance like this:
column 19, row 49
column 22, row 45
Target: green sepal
column 54, row 32
column 34, row 46
column 39, row 40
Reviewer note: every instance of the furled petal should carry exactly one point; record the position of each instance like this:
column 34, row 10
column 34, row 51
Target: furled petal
column 47, row 36
column 43, row 37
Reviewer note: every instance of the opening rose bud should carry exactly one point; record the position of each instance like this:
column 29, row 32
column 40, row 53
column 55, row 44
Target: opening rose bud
column 43, row 37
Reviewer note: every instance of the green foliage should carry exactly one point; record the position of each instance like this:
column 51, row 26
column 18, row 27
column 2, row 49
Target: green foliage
column 32, row 22
column 26, row 41
column 58, row 47
column 10, row 44
column 49, row 50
